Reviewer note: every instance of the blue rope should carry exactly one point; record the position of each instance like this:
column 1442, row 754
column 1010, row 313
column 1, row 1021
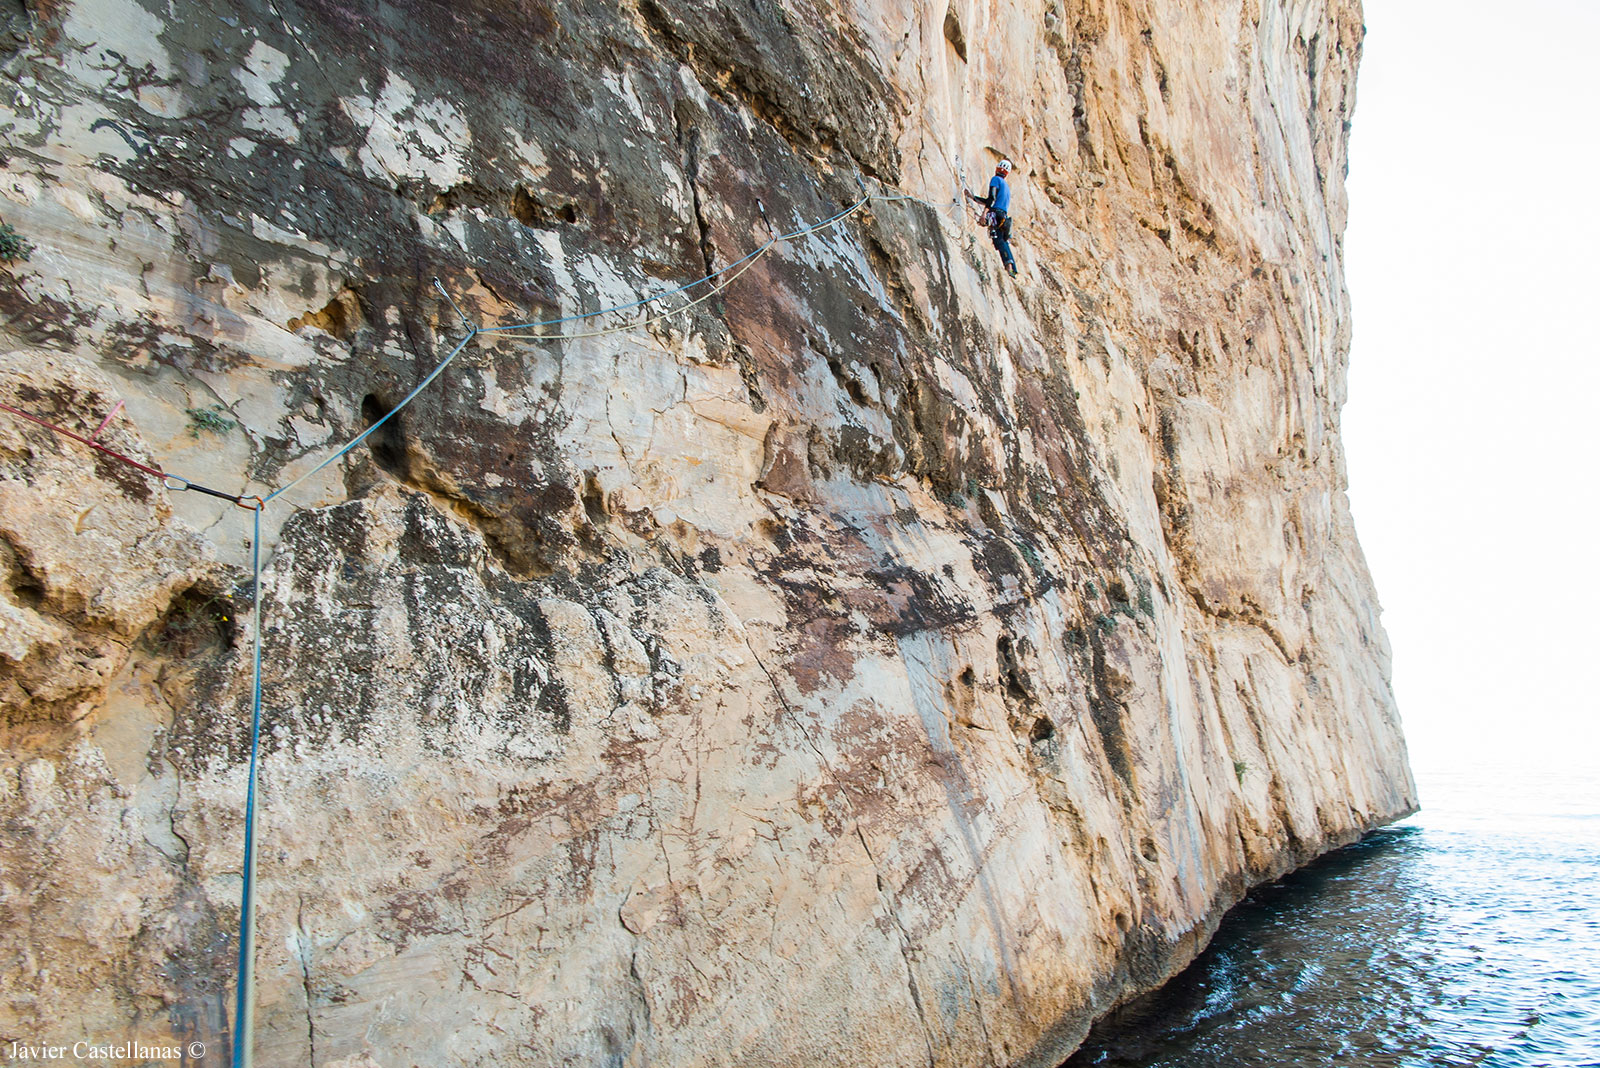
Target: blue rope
column 359, row 438
column 244, row 1015
column 475, row 331
column 683, row 288
column 618, row 307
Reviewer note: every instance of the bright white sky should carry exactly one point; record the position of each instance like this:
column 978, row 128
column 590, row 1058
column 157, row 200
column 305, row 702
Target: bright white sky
column 1473, row 423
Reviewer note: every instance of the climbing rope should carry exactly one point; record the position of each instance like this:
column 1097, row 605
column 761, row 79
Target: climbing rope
column 245, row 1015
column 747, row 263
column 747, row 258
column 526, row 331
column 390, row 414
column 743, row 264
column 244, row 1029
column 173, row 483
column 244, row 1034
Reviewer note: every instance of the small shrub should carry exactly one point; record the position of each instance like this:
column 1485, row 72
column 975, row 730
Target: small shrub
column 13, row 246
column 1240, row 768
column 210, row 419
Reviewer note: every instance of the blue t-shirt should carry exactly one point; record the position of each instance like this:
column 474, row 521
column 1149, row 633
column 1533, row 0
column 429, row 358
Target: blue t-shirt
column 999, row 194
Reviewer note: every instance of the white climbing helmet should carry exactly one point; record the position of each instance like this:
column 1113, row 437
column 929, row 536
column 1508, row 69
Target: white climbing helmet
column 1004, row 166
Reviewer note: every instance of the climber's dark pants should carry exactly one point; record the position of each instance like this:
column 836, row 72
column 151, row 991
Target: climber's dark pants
column 1000, row 234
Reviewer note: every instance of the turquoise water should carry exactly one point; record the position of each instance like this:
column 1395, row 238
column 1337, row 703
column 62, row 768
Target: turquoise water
column 1468, row 935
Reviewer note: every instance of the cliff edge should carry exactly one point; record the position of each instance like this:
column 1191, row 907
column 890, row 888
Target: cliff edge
column 875, row 660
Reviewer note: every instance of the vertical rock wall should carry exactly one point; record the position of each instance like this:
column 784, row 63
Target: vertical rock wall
column 881, row 662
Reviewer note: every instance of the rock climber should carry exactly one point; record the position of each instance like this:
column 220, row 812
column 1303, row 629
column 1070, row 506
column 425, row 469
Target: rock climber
column 997, row 213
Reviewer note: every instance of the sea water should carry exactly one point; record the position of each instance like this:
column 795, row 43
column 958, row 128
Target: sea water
column 1466, row 935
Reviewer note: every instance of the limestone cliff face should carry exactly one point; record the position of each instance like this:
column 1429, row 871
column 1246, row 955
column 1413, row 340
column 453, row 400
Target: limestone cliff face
column 882, row 662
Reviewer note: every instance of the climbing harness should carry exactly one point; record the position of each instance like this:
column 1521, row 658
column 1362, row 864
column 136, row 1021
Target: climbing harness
column 998, row 224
